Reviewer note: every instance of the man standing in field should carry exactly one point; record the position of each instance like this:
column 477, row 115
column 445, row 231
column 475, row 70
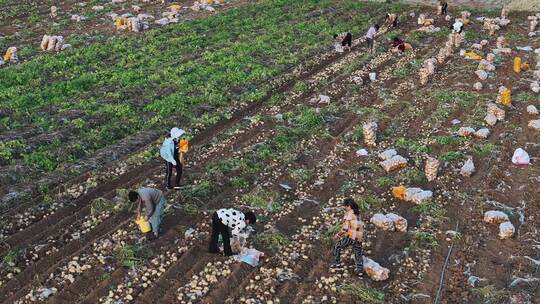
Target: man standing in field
column 153, row 201
column 370, row 36
column 172, row 151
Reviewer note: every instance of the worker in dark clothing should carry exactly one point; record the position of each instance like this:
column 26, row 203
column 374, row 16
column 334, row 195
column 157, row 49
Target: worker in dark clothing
column 343, row 40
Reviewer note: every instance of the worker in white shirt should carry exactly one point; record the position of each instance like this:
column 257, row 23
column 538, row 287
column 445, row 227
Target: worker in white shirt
column 222, row 220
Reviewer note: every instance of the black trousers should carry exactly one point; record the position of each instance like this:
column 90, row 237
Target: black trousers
column 219, row 228
column 168, row 174
column 347, row 41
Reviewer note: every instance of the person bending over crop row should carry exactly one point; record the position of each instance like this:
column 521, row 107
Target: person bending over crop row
column 222, row 220
column 153, row 202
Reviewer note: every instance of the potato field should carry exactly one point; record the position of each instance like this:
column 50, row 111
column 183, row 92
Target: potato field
column 439, row 146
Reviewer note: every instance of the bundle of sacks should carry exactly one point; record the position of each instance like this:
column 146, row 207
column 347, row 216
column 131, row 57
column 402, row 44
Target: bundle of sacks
column 494, row 114
column 415, row 195
column 10, row 56
column 391, row 160
column 53, row 43
column 445, row 52
column 205, row 5
column 370, row 133
column 134, row 24
column 374, row 270
column 431, row 168
column 506, row 229
column 482, row 133
column 389, row 222
column 492, row 25
column 427, row 70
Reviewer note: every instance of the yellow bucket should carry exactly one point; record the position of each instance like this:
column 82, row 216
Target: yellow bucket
column 7, row 56
column 517, row 64
column 144, row 225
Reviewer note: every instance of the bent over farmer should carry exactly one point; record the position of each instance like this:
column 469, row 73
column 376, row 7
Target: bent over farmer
column 222, row 220
column 350, row 235
column 172, row 151
column 153, row 201
column 342, row 40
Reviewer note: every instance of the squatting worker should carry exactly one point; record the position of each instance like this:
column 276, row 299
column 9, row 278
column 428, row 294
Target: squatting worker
column 153, row 201
column 392, row 18
column 222, row 220
column 400, row 45
column 172, row 151
column 343, row 40
column 370, row 36
column 351, row 235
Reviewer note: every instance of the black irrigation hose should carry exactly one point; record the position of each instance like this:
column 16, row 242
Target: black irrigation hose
column 444, row 268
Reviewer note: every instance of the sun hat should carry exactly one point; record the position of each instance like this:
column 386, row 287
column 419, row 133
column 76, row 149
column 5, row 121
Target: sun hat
column 176, row 132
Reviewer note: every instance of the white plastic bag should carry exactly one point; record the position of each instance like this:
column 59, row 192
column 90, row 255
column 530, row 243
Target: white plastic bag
column 520, row 157
column 250, row 256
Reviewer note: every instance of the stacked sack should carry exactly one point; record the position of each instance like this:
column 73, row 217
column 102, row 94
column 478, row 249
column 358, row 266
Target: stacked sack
column 506, row 229
column 391, row 160
column 431, row 169
column 415, row 195
column 494, row 114
column 370, row 133
column 53, row 43
column 427, row 70
column 445, row 52
column 533, row 24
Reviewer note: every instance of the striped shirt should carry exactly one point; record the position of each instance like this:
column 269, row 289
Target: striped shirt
column 353, row 226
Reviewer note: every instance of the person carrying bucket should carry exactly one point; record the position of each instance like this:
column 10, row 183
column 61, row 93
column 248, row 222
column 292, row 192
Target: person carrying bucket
column 153, row 201
column 172, row 151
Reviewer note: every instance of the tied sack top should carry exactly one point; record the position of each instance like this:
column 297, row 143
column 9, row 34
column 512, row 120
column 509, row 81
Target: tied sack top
column 233, row 219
